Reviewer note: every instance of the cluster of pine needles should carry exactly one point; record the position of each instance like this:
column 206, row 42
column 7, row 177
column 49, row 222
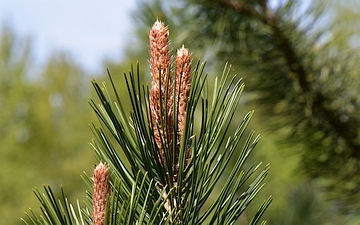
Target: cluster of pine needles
column 177, row 150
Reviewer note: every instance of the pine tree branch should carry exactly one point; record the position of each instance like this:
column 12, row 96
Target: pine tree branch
column 170, row 164
column 268, row 18
column 296, row 67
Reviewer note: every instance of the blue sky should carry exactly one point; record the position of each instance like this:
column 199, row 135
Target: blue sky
column 89, row 29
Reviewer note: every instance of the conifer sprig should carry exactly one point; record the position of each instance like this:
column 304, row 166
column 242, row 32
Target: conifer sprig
column 172, row 163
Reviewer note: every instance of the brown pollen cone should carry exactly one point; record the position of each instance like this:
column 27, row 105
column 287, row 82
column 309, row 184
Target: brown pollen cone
column 183, row 70
column 160, row 114
column 101, row 191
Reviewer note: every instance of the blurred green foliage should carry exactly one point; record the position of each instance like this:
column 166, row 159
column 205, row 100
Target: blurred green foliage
column 43, row 126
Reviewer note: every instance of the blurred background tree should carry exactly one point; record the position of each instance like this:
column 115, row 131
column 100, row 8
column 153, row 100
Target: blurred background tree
column 43, row 125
